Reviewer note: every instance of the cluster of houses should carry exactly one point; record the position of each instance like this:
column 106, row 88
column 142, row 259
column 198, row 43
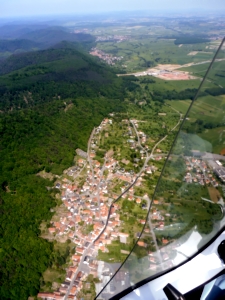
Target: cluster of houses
column 199, row 172
column 89, row 209
column 116, row 38
column 141, row 135
column 108, row 58
column 155, row 262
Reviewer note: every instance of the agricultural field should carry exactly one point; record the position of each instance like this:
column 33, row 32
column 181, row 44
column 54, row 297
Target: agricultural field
column 182, row 105
column 148, row 43
column 145, row 52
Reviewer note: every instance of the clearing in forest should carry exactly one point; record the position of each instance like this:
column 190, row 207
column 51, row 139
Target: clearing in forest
column 214, row 194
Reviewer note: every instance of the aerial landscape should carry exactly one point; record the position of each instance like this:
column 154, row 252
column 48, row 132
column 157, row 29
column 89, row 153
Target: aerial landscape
column 112, row 158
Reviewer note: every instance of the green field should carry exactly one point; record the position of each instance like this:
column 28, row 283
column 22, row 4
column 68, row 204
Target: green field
column 210, row 110
column 216, row 136
column 140, row 53
column 215, row 75
column 182, row 105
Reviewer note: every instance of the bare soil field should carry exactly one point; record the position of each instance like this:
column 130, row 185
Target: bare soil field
column 192, row 53
column 214, row 194
column 168, row 67
column 166, row 72
column 176, row 76
column 196, row 52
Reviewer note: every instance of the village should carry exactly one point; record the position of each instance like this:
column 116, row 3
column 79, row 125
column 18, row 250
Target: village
column 101, row 195
column 108, row 58
column 90, row 190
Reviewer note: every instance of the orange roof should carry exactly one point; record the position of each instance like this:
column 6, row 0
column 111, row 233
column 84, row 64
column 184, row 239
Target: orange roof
column 80, row 250
column 142, row 221
column 141, row 244
column 59, row 297
column 97, row 226
column 102, row 248
column 76, row 257
column 77, row 219
column 71, row 234
column 86, row 211
column 123, row 234
column 57, row 225
column 165, row 241
column 79, row 275
column 45, row 295
column 73, row 290
column 96, row 243
column 73, row 269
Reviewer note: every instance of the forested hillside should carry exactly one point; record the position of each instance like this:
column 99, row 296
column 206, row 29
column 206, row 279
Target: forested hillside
column 53, row 35
column 50, row 102
column 17, row 45
column 33, row 40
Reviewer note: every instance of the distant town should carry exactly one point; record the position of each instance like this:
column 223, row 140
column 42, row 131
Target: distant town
column 108, row 58
column 112, row 38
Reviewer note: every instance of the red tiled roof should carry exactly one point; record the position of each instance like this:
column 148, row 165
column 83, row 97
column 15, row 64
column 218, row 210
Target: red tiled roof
column 73, row 290
column 138, row 200
column 73, row 269
column 141, row 244
column 45, row 295
column 80, row 250
column 165, row 241
column 76, row 257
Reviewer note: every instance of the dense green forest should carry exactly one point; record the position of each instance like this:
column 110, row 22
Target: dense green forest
column 190, row 40
column 63, row 50
column 159, row 95
column 48, row 109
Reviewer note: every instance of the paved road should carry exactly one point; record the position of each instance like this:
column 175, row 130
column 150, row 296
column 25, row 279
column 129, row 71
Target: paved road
column 80, row 267
column 135, row 129
column 88, row 153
